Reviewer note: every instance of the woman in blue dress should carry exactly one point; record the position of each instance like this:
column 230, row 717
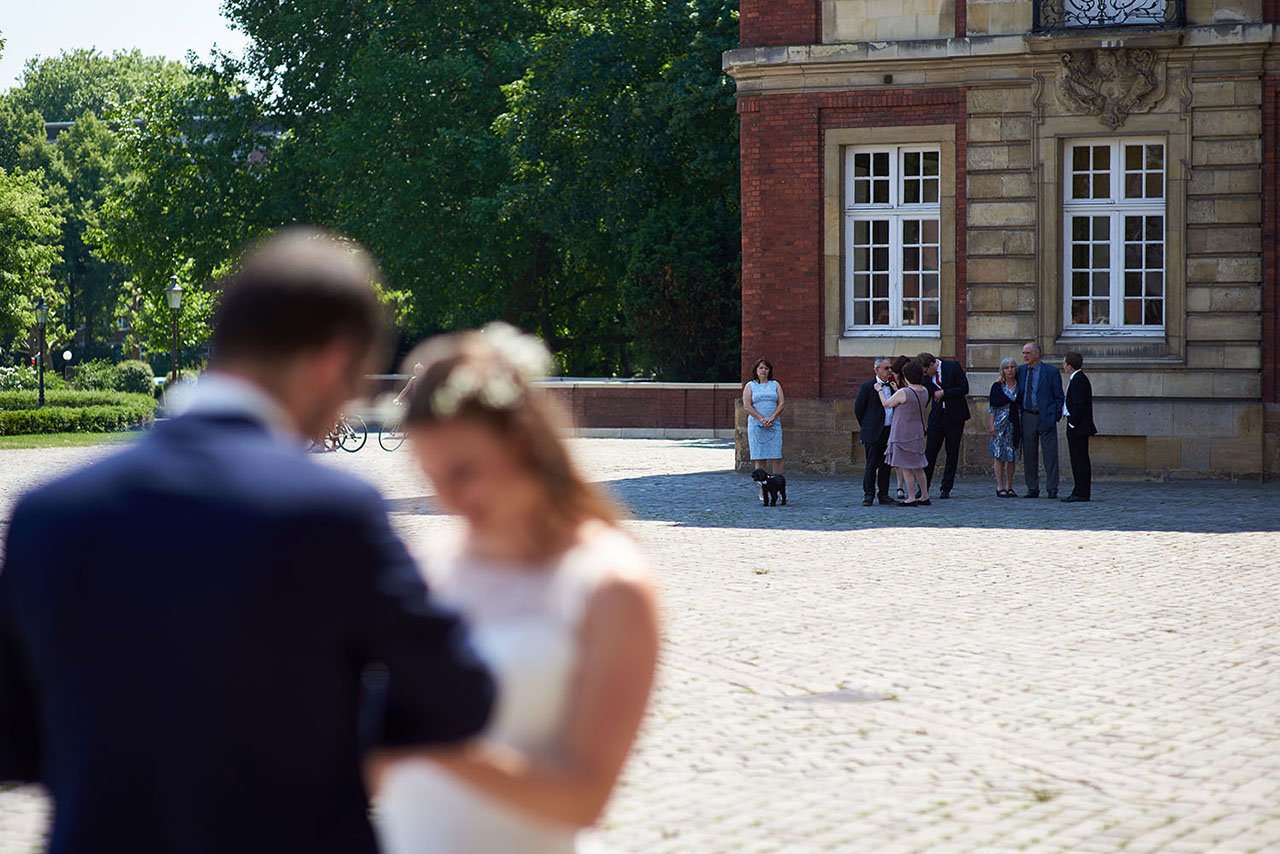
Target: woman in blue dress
column 1006, row 427
column 763, row 400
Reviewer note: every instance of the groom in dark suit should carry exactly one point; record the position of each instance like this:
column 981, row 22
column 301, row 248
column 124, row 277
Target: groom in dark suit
column 874, row 421
column 1078, row 411
column 948, row 410
column 190, row 628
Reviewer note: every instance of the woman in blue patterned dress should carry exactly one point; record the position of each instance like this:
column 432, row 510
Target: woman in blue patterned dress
column 1006, row 427
column 763, row 400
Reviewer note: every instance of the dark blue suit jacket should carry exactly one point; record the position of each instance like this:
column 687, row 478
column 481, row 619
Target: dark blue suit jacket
column 184, row 633
column 1047, row 394
column 954, row 405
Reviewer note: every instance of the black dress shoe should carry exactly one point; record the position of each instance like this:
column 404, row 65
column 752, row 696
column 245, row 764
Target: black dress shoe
column 1053, row 495
column 1071, row 498
column 884, row 499
column 866, row 502
column 925, row 503
column 1035, row 494
column 946, row 493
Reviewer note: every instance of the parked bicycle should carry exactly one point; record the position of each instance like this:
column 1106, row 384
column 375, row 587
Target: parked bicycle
column 349, row 433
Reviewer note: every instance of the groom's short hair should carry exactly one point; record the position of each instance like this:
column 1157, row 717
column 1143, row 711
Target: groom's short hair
column 294, row 292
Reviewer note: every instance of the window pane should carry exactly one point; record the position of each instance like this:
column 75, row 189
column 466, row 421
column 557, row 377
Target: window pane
column 862, row 232
column 1155, row 284
column 930, row 231
column 1102, row 186
column 910, row 285
column 1132, row 185
column 1080, row 255
column 861, row 286
column 1133, row 284
column 880, row 258
column 1101, row 256
column 1155, row 186
column 861, row 193
column 1101, row 312
column 1079, row 284
column 1102, row 284
column 931, row 190
column 1079, row 311
column 931, row 283
column 1155, row 256
column 910, row 258
column 880, row 193
column 1101, row 228
column 880, row 286
column 880, row 309
column 1133, row 228
column 1080, row 187
column 1079, row 228
column 911, row 163
column 1080, row 158
column 862, row 313
column 1155, row 228
column 931, row 312
column 880, row 230
column 911, row 231
column 880, row 163
column 1133, row 157
column 1153, row 315
column 931, row 258
column 862, row 165
column 1133, row 312
column 931, row 162
column 1102, row 158
column 862, row 259
column 1155, row 157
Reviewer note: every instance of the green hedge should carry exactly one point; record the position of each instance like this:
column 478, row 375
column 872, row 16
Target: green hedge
column 74, row 412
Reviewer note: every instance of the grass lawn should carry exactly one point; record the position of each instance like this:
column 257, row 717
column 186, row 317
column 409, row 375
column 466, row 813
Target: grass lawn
column 66, row 440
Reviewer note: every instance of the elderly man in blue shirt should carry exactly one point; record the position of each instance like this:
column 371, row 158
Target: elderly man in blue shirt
column 1040, row 396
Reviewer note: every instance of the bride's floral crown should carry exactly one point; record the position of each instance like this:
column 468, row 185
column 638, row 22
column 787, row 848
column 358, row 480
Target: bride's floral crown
column 498, row 383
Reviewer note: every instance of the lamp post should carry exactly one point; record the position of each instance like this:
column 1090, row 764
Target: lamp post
column 174, row 294
column 42, row 317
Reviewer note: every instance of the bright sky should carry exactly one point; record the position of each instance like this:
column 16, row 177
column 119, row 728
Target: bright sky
column 158, row 27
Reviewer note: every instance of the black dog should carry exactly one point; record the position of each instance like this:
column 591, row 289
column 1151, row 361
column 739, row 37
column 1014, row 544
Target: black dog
column 774, row 485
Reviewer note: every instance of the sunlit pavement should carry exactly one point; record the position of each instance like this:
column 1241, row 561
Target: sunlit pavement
column 983, row 675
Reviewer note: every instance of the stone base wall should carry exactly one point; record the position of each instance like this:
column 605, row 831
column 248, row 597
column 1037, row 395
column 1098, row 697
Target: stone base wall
column 1145, row 439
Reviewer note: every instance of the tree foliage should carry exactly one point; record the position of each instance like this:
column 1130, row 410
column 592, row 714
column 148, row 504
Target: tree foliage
column 29, row 230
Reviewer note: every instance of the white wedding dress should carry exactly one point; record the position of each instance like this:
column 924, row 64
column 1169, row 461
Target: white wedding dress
column 524, row 620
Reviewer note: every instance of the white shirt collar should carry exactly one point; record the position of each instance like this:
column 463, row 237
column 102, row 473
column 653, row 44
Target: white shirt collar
column 1072, row 374
column 217, row 393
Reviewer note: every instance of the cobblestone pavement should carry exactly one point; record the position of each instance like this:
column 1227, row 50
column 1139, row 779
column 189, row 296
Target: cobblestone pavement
column 983, row 675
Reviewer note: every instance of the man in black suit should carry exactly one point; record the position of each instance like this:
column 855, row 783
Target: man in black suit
column 190, row 629
column 1078, row 411
column 948, row 411
column 874, row 435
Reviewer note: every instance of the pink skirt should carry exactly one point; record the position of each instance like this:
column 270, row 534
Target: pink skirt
column 906, row 455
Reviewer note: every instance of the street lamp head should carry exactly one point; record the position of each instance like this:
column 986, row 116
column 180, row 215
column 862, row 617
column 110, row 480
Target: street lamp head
column 42, row 313
column 174, row 294
column 66, row 355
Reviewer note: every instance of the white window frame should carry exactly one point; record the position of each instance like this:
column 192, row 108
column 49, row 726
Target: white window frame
column 895, row 211
column 1116, row 208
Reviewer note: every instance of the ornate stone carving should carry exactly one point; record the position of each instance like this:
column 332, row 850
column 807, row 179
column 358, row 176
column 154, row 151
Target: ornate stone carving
column 1110, row 83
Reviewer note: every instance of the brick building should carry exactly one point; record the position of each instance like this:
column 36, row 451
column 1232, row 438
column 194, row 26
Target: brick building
column 960, row 176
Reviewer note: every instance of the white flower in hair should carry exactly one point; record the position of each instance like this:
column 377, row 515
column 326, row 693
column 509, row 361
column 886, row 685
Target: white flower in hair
column 521, row 359
column 522, row 351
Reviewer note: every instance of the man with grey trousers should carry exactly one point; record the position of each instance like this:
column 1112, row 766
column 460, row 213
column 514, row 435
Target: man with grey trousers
column 1040, row 396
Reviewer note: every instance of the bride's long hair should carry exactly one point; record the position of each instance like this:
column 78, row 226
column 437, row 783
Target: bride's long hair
column 487, row 377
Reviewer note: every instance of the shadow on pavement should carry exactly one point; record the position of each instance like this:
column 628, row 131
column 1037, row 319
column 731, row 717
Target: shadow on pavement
column 721, row 499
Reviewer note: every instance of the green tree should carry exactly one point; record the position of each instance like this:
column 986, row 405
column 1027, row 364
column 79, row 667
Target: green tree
column 202, row 179
column 87, row 166
column 624, row 139
column 29, row 230
column 62, row 88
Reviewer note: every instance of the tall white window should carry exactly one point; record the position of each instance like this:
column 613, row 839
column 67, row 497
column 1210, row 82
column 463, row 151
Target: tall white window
column 891, row 240
column 1114, row 225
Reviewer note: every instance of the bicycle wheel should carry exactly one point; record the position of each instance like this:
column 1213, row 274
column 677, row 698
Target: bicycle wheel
column 354, row 433
column 390, row 436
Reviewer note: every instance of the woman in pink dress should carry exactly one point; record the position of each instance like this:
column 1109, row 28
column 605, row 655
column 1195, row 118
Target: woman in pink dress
column 906, row 434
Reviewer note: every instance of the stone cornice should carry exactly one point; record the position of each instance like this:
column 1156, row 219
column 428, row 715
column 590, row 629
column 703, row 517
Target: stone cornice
column 760, row 62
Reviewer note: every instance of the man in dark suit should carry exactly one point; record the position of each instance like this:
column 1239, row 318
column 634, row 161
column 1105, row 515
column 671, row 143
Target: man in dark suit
column 1078, row 410
column 1040, row 396
column 190, row 629
column 948, row 410
column 874, row 435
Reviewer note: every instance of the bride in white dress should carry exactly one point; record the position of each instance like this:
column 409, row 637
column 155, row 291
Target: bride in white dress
column 560, row 603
